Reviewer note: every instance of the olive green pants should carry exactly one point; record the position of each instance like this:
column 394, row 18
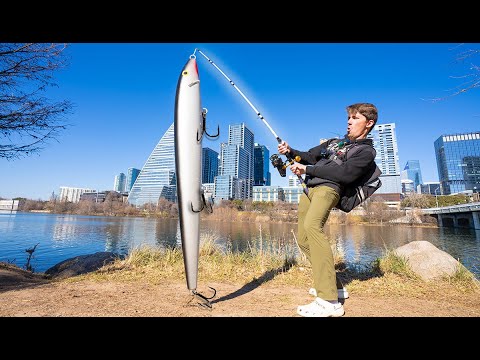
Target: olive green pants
column 313, row 212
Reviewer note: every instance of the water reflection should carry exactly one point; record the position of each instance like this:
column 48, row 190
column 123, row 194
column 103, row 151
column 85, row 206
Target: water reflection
column 168, row 233
column 7, row 222
column 61, row 237
column 62, row 230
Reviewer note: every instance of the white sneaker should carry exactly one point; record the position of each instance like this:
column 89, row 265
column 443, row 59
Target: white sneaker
column 321, row 308
column 342, row 293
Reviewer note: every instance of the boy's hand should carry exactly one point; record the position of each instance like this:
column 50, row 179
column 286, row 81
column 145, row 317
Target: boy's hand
column 298, row 169
column 283, row 147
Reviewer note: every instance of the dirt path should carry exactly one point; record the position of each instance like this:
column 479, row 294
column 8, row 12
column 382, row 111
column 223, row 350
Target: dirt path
column 26, row 295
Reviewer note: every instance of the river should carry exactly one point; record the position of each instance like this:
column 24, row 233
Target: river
column 60, row 237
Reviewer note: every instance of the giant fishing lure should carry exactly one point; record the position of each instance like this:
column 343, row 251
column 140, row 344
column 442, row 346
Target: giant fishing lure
column 189, row 129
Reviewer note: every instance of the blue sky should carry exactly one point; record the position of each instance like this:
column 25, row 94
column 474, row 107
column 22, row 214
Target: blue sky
column 124, row 96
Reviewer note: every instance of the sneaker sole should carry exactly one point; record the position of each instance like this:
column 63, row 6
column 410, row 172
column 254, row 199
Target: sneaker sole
column 304, row 311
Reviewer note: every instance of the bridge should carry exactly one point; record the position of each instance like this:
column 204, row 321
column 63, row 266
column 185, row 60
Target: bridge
column 9, row 206
column 464, row 215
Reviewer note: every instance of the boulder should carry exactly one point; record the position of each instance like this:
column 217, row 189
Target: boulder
column 81, row 264
column 428, row 261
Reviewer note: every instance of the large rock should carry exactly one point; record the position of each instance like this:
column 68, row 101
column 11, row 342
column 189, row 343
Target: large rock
column 428, row 261
column 81, row 264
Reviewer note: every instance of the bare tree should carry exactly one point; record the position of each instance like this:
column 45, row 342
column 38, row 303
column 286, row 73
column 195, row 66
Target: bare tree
column 28, row 119
column 471, row 78
column 417, row 201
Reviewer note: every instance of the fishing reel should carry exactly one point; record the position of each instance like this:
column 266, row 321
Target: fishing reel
column 281, row 166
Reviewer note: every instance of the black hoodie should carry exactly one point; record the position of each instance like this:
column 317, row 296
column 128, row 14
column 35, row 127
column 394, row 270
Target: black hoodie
column 329, row 171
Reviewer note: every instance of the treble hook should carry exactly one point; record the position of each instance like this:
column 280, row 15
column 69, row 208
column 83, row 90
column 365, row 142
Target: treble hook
column 203, row 300
column 199, row 210
column 205, row 205
column 204, row 127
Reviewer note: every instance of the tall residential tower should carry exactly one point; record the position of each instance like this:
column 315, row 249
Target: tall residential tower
column 385, row 143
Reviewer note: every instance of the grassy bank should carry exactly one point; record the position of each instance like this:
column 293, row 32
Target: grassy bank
column 283, row 264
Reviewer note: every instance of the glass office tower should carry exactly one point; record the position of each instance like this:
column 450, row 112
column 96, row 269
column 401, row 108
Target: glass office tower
column 209, row 165
column 157, row 177
column 261, row 166
column 458, row 162
column 414, row 173
column 132, row 175
column 119, row 183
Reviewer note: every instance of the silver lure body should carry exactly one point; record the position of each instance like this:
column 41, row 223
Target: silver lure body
column 188, row 128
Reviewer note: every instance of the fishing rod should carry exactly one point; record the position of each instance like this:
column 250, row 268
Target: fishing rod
column 276, row 161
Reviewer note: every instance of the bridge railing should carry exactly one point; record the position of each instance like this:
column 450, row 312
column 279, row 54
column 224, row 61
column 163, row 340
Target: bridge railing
column 453, row 208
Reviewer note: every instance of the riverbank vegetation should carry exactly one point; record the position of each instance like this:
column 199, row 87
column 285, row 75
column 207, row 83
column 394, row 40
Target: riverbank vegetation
column 371, row 212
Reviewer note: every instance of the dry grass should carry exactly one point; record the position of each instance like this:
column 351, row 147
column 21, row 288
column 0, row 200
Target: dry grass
column 391, row 275
column 282, row 263
column 395, row 264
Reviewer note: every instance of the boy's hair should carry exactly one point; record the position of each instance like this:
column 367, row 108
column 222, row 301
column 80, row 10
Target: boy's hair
column 366, row 109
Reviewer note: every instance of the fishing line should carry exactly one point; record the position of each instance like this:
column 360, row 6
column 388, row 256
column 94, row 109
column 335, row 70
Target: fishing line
column 279, row 140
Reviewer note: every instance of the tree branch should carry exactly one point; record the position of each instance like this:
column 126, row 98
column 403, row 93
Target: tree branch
column 27, row 118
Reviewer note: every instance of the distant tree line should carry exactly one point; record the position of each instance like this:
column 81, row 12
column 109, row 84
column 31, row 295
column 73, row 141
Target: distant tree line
column 425, row 201
column 375, row 211
column 112, row 206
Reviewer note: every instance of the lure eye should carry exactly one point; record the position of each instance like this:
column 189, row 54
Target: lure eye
column 185, row 73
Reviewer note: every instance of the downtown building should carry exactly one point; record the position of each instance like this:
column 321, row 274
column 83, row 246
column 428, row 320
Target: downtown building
column 273, row 193
column 458, row 163
column 429, row 187
column 411, row 177
column 385, row 143
column 413, row 172
column 261, row 166
column 209, row 171
column 132, row 175
column 73, row 194
column 235, row 170
column 157, row 179
column 119, row 183
column 294, row 190
column 209, row 165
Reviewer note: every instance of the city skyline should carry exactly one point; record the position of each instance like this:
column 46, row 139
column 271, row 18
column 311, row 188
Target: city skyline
column 124, row 96
column 383, row 135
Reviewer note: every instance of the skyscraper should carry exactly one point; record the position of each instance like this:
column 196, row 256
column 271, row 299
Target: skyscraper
column 157, row 177
column 209, row 165
column 261, row 165
column 458, row 162
column 235, row 178
column 119, row 184
column 413, row 172
column 132, row 175
column 385, row 143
